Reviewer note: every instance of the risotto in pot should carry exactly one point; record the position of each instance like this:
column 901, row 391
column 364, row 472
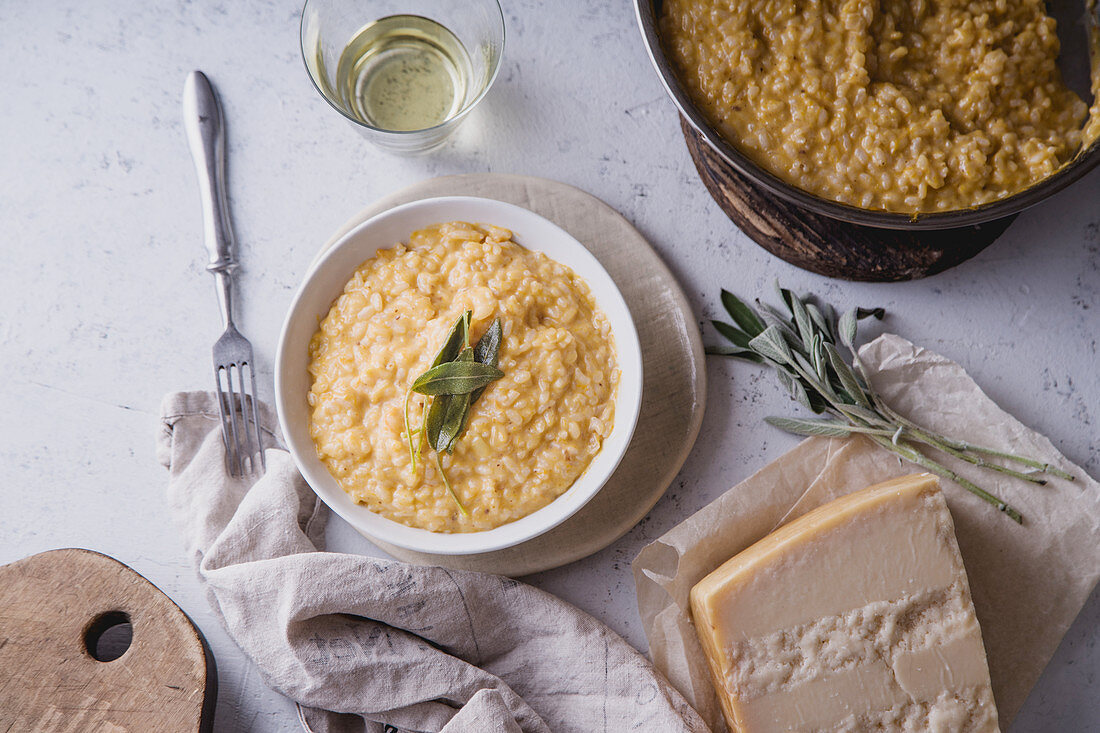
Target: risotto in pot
column 528, row 435
column 896, row 105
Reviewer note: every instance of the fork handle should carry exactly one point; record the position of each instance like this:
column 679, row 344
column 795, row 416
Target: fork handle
column 202, row 119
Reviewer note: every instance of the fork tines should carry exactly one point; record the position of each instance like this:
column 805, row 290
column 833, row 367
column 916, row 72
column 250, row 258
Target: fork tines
column 240, row 418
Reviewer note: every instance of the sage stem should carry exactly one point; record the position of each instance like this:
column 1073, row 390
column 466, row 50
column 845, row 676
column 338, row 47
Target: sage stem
column 443, row 475
column 921, row 460
column 957, row 448
column 408, row 431
column 1023, row 460
column 930, row 440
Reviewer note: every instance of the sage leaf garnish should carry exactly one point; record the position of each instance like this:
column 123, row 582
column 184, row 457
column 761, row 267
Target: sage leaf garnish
column 487, row 351
column 801, row 345
column 452, row 415
column 433, row 423
column 443, row 475
column 458, row 336
column 456, row 378
column 454, row 420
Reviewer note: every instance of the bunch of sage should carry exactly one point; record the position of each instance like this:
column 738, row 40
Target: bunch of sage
column 802, row 348
column 457, row 377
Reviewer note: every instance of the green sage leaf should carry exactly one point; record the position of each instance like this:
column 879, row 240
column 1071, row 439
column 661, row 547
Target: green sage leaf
column 739, row 338
column 433, row 423
column 847, row 377
column 786, row 297
column 820, row 361
column 865, row 414
column 831, row 317
column 791, row 384
column 812, row 399
column 847, row 329
column 800, row 426
column 803, row 323
column 817, row 403
column 455, row 340
column 877, row 313
column 773, row 317
column 452, row 411
column 455, row 415
column 809, row 373
column 487, row 351
column 847, row 326
column 821, row 321
column 455, row 378
column 736, row 352
column 742, row 314
column 771, row 344
column 452, row 346
column 795, row 388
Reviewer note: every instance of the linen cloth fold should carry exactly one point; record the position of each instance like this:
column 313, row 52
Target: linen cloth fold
column 374, row 645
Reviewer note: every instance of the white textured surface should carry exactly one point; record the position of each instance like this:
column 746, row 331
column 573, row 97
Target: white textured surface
column 106, row 305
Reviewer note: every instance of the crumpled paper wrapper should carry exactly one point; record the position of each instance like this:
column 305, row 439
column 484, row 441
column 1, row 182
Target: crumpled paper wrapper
column 1028, row 582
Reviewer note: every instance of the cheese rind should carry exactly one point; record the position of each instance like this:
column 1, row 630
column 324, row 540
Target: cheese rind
column 856, row 616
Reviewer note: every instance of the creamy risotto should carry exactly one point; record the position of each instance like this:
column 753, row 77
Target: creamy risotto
column 529, row 435
column 901, row 105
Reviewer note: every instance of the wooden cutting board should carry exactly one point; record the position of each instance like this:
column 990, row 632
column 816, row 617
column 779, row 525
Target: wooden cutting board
column 61, row 609
column 829, row 246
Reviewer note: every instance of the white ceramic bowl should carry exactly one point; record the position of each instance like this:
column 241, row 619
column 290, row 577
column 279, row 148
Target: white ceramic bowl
column 326, row 280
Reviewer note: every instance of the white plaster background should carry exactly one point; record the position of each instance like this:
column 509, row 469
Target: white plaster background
column 105, row 304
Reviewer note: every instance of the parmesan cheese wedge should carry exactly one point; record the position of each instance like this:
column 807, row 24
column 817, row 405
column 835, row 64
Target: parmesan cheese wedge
column 856, row 616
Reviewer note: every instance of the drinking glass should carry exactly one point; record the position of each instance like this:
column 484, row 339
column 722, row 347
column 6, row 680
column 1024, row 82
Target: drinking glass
column 404, row 72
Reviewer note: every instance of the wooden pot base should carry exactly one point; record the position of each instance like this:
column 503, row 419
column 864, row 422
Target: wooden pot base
column 829, row 246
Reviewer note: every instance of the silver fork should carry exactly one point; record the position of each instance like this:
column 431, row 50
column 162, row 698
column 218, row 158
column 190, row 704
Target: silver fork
column 233, row 366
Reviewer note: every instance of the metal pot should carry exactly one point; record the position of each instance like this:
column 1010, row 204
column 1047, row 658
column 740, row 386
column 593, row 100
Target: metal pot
column 648, row 12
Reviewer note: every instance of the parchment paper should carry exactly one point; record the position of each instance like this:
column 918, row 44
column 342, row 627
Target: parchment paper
column 1028, row 582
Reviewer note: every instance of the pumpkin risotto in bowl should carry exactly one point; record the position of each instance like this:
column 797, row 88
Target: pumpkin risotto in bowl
column 457, row 375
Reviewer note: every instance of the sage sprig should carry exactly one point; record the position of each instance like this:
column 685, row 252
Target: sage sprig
column 458, row 376
column 801, row 345
column 457, row 337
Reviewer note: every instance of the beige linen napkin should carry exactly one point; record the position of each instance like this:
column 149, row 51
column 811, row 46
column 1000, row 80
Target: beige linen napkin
column 366, row 644
column 1028, row 582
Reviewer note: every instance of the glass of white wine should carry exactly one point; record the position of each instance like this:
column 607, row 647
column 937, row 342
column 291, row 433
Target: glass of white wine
column 405, row 72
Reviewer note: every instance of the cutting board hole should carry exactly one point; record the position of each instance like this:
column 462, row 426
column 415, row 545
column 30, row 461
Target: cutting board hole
column 109, row 636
